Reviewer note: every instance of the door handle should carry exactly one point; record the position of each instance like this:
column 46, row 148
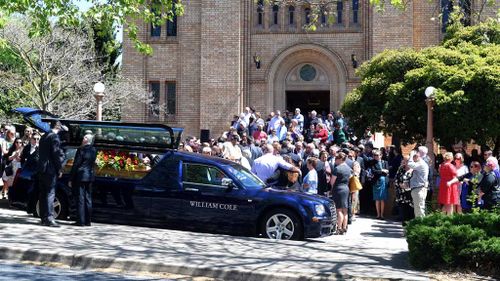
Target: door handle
column 191, row 189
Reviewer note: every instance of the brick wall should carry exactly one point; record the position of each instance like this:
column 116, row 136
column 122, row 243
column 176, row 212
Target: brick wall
column 211, row 58
column 220, row 81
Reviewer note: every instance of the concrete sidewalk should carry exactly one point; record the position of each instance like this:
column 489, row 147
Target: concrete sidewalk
column 372, row 249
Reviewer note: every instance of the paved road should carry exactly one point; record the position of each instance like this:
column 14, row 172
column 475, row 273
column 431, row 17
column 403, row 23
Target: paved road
column 24, row 272
column 371, row 249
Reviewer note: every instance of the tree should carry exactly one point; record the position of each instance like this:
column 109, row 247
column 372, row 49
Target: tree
column 108, row 49
column 56, row 72
column 466, row 71
column 119, row 12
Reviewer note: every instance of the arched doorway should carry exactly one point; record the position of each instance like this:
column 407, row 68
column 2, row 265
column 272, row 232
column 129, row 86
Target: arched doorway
column 307, row 87
column 308, row 75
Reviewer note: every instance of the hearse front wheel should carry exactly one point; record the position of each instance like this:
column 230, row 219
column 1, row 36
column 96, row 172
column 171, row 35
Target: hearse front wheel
column 281, row 224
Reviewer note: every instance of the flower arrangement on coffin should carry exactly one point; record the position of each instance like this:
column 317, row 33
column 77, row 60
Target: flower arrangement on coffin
column 118, row 161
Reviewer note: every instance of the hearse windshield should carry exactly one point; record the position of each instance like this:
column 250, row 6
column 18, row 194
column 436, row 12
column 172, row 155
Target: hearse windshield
column 249, row 180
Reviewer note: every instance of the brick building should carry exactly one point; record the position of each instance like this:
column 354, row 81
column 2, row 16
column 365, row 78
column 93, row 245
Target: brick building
column 223, row 55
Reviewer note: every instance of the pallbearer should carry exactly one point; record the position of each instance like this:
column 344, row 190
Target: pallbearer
column 82, row 177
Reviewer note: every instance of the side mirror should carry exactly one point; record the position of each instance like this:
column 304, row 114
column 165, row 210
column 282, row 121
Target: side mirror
column 228, row 183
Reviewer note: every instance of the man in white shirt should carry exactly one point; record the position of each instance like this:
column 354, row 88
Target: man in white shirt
column 265, row 166
column 418, row 183
column 274, row 123
column 300, row 119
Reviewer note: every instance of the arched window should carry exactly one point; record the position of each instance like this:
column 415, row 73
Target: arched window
column 260, row 12
column 323, row 17
column 307, row 14
column 355, row 11
column 276, row 10
column 291, row 15
column 340, row 9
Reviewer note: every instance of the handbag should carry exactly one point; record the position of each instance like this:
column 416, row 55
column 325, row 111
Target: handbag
column 354, row 184
column 9, row 170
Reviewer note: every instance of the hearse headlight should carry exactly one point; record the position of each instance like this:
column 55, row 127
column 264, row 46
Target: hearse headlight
column 320, row 209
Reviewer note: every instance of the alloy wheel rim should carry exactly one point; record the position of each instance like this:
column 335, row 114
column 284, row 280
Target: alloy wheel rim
column 280, row 227
column 57, row 207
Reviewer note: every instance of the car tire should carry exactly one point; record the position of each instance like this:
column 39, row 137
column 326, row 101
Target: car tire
column 61, row 207
column 281, row 224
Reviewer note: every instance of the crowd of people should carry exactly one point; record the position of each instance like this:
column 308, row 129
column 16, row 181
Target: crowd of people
column 41, row 157
column 315, row 154
column 318, row 153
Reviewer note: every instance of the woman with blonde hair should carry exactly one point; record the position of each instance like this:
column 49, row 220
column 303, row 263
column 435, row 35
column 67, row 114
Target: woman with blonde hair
column 448, row 194
column 462, row 169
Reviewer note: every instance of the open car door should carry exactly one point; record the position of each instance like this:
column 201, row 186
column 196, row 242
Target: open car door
column 129, row 135
column 34, row 117
column 132, row 136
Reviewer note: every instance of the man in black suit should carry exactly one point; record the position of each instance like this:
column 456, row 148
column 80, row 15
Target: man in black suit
column 49, row 169
column 82, row 176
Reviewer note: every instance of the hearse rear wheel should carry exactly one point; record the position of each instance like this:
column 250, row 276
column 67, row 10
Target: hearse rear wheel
column 281, row 224
column 60, row 208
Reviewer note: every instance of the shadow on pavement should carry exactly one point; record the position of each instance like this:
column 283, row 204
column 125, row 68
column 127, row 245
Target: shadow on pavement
column 357, row 255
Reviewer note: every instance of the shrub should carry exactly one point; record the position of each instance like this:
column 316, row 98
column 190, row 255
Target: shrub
column 483, row 254
column 439, row 241
column 438, row 246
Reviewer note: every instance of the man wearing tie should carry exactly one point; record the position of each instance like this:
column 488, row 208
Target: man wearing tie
column 49, row 169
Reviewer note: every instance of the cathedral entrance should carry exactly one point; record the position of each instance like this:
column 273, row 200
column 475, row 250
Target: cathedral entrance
column 308, row 101
column 306, row 76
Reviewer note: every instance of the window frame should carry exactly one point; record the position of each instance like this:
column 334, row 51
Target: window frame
column 291, row 15
column 340, row 12
column 151, row 113
column 155, row 31
column 275, row 14
column 208, row 166
column 307, row 15
column 355, row 12
column 167, row 100
column 260, row 13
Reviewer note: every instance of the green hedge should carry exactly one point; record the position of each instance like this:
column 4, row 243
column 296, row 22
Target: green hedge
column 466, row 241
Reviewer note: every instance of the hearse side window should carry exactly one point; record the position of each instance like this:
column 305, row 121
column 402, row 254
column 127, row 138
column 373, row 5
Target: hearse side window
column 69, row 153
column 202, row 174
column 165, row 175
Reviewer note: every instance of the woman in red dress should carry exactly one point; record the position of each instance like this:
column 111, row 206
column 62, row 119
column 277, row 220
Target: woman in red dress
column 448, row 194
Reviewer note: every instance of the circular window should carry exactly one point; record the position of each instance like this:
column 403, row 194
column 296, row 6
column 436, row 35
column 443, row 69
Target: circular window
column 307, row 72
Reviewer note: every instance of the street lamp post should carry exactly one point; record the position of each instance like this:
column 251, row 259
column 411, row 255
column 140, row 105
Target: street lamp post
column 429, row 93
column 99, row 95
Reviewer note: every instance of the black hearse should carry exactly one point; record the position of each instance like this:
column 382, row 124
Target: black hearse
column 143, row 180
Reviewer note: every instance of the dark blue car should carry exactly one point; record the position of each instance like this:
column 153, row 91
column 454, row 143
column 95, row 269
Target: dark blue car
column 143, row 180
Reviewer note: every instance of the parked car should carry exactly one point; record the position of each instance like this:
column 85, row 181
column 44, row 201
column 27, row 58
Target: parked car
column 143, row 180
